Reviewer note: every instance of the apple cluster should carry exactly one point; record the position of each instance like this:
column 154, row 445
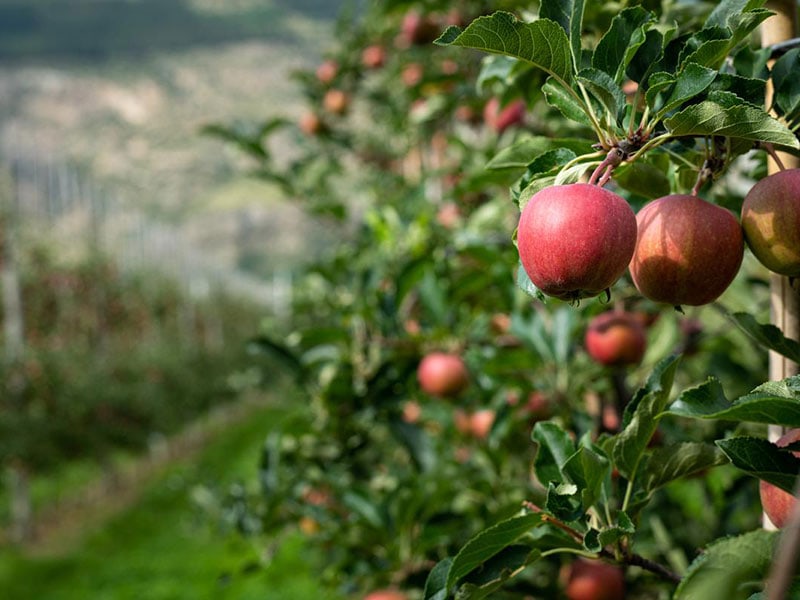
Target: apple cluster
column 576, row 240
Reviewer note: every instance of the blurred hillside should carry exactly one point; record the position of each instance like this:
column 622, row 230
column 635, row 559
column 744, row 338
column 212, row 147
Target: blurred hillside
column 119, row 90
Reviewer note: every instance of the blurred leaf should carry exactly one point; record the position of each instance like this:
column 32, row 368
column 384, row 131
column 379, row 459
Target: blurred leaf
column 679, row 460
column 746, row 122
column 363, row 507
column 568, row 14
column 542, row 43
column 776, row 402
column 493, row 68
column 763, row 459
column 418, row 443
column 488, row 543
column 641, row 417
column 263, row 344
column 729, row 568
column 767, row 335
column 617, row 47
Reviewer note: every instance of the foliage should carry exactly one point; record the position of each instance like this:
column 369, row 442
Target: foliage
column 110, row 359
column 647, row 99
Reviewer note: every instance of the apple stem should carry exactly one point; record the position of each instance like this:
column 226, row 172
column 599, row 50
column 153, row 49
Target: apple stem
column 769, row 148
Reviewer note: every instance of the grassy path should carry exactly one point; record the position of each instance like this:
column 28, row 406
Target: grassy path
column 164, row 547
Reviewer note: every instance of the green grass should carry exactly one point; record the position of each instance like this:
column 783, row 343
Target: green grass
column 164, row 547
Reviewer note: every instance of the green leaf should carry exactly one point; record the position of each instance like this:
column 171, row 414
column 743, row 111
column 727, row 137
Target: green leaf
column 550, row 160
column 750, row 89
column 641, row 417
column 617, row 47
column 488, row 543
column 776, row 402
column 642, row 178
column 566, row 103
column 657, row 83
column 787, row 84
column 762, row 459
column 564, row 502
column 595, row 541
column 590, row 470
column 647, row 55
column 729, row 568
column 679, row 460
column 500, row 68
column 554, row 449
column 495, row 572
column 436, row 583
column 526, row 285
column 708, row 47
column 522, row 153
column 568, row 14
column 691, row 82
column 542, row 43
column 605, row 89
column 745, row 122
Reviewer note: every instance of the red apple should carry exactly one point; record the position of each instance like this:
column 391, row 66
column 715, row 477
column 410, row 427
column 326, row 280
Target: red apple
column 616, row 338
column 576, row 240
column 412, row 411
column 441, row 374
column 595, row 580
column 327, row 71
column 501, row 118
column 373, row 56
column 448, row 215
column 388, row 594
column 778, row 503
column 481, row 423
column 538, row 405
column 688, row 250
column 310, row 124
column 771, row 222
column 418, row 29
column 336, row 101
column 411, row 74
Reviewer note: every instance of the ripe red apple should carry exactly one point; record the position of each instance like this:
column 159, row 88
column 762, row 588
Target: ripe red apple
column 538, row 405
column 418, row 29
column 616, row 338
column 501, row 118
column 688, row 250
column 412, row 411
column 448, row 215
column 576, row 240
column 771, row 222
column 336, row 101
column 778, row 503
column 595, row 580
column 327, row 71
column 412, row 74
column 441, row 374
column 388, row 594
column 310, row 124
column 373, row 56
column 481, row 423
